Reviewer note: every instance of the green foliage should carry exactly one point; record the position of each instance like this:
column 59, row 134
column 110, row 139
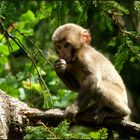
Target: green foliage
column 26, row 65
column 122, row 55
column 137, row 6
column 101, row 134
column 128, row 50
column 9, row 82
column 33, row 133
column 60, row 132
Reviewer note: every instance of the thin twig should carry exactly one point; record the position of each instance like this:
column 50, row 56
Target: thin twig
column 34, row 46
column 27, row 51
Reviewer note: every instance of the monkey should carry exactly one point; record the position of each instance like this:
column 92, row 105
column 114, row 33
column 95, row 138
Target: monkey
column 88, row 72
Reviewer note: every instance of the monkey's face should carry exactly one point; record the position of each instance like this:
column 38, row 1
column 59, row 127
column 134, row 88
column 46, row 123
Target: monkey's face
column 64, row 50
column 68, row 39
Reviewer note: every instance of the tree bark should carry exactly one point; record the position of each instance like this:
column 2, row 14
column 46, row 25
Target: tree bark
column 15, row 115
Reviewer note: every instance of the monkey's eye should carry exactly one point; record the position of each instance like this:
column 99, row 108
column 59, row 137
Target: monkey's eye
column 67, row 45
column 58, row 47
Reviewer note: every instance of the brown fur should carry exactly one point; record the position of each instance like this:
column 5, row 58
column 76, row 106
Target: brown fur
column 90, row 73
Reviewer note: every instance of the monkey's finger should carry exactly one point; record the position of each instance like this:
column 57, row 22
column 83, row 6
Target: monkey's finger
column 63, row 61
column 59, row 64
column 60, row 61
column 60, row 68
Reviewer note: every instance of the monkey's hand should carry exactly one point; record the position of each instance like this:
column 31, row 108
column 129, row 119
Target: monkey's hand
column 71, row 112
column 60, row 65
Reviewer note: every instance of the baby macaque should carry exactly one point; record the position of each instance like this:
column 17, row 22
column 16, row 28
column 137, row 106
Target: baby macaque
column 86, row 71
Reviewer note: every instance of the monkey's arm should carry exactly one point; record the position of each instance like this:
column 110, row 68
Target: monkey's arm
column 66, row 76
column 87, row 91
column 69, row 80
column 82, row 102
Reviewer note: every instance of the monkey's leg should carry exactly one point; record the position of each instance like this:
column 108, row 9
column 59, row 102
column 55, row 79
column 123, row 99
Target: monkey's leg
column 112, row 101
column 80, row 105
column 84, row 99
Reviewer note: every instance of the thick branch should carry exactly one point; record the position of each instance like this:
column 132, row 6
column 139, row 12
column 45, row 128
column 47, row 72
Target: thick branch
column 54, row 116
column 15, row 115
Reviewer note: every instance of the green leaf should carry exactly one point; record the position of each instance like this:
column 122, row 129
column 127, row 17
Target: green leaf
column 28, row 16
column 137, row 6
column 4, row 49
column 112, row 42
column 121, row 56
column 132, row 59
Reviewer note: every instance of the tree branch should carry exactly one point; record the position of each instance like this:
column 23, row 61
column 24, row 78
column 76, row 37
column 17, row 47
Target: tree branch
column 54, row 116
column 15, row 115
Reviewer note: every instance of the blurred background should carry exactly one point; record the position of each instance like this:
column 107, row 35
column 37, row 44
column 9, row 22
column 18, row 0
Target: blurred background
column 27, row 55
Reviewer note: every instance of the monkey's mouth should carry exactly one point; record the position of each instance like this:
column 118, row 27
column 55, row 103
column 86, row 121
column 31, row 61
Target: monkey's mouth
column 66, row 59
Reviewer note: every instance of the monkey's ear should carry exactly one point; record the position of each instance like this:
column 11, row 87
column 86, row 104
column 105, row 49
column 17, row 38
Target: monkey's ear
column 85, row 37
